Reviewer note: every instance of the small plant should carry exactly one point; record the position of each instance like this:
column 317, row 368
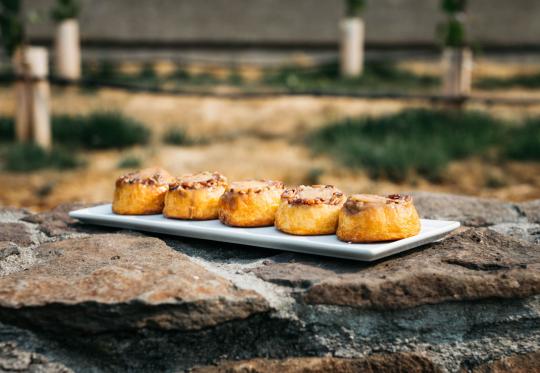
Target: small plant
column 31, row 157
column 65, row 9
column 355, row 8
column 99, row 130
column 524, row 142
column 452, row 32
column 235, row 78
column 12, row 31
column 7, row 129
column 313, row 176
column 176, row 136
column 148, row 71
column 130, row 161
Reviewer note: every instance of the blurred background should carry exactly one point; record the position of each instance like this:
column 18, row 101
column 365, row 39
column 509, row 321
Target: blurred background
column 371, row 96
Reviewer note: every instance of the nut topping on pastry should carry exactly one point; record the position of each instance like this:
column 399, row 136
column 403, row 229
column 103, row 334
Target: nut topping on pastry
column 199, row 180
column 313, row 195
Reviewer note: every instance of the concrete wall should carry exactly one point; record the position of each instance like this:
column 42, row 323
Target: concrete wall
column 301, row 22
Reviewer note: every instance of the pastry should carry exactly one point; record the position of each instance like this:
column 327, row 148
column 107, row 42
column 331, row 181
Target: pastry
column 250, row 203
column 371, row 218
column 142, row 192
column 195, row 196
column 309, row 210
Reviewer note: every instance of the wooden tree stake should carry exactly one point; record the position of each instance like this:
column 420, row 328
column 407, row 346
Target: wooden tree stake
column 67, row 50
column 352, row 47
column 33, row 96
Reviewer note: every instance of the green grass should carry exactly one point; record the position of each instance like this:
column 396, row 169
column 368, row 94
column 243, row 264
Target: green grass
column 377, row 75
column 30, row 157
column 176, row 136
column 411, row 142
column 130, row 161
column 530, row 81
column 523, row 143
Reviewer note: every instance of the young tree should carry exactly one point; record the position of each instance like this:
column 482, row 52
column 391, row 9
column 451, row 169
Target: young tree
column 32, row 118
column 67, row 43
column 352, row 39
column 457, row 57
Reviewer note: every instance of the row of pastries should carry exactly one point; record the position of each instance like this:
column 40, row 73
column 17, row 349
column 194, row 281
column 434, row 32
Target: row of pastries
column 299, row 210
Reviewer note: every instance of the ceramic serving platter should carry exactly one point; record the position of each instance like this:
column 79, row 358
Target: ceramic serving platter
column 268, row 237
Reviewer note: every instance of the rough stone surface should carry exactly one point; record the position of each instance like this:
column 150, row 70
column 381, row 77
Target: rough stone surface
column 75, row 296
column 398, row 362
column 475, row 264
column 57, row 221
column 531, row 210
column 129, row 281
column 7, row 249
column 13, row 359
column 17, row 233
column 470, row 211
column 526, row 363
column 525, row 231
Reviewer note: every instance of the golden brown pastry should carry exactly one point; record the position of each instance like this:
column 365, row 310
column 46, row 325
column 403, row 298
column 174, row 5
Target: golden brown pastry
column 195, row 196
column 250, row 203
column 142, row 192
column 370, row 218
column 309, row 210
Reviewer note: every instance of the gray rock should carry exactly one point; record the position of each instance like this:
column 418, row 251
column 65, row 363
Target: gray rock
column 109, row 275
column 13, row 359
column 525, row 231
column 17, row 233
column 8, row 249
column 531, row 210
column 470, row 211
column 128, row 302
column 476, row 264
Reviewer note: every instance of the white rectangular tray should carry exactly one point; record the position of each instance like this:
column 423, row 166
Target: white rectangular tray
column 268, row 237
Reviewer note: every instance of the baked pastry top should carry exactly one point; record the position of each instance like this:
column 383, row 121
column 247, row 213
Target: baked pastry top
column 359, row 202
column 313, row 195
column 199, row 180
column 147, row 176
column 254, row 186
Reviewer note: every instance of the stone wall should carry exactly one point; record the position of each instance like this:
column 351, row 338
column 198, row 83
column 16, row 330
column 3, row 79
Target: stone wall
column 75, row 297
column 285, row 22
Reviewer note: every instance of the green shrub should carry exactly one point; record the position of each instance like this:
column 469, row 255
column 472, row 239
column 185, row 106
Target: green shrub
column 413, row 141
column 148, row 71
column 176, row 136
column 7, row 129
column 354, row 8
column 65, row 9
column 31, row 157
column 523, row 143
column 99, row 130
column 130, row 161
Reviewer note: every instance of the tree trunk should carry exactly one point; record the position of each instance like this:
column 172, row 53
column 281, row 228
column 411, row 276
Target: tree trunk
column 67, row 50
column 457, row 66
column 352, row 47
column 33, row 96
